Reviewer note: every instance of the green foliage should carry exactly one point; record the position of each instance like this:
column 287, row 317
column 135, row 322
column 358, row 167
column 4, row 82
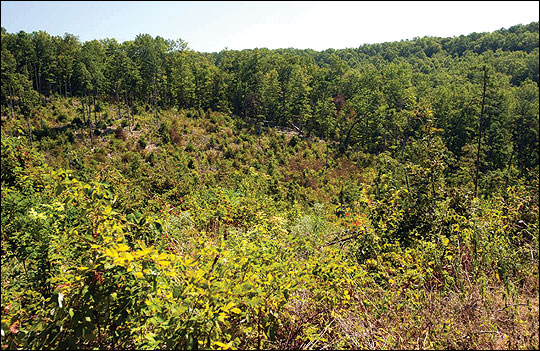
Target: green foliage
column 154, row 197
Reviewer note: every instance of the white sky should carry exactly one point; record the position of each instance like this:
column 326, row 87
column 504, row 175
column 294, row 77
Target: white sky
column 350, row 24
column 211, row 26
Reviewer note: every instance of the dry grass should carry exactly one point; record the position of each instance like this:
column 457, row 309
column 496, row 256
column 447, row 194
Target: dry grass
column 442, row 322
column 387, row 319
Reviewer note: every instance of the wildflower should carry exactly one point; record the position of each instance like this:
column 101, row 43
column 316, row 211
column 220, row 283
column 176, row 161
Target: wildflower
column 60, row 299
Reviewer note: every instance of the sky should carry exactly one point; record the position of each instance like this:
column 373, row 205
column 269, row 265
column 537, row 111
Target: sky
column 210, row 26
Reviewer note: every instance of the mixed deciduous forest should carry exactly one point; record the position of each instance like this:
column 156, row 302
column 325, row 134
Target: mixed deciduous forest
column 378, row 197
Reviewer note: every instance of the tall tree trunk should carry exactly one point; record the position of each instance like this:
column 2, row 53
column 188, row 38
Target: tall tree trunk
column 118, row 104
column 28, row 124
column 12, row 110
column 132, row 111
column 407, row 181
column 39, row 80
column 128, row 113
column 83, row 109
column 343, row 146
column 163, row 90
column 480, row 133
column 95, row 105
column 508, row 169
column 154, row 101
column 520, row 142
column 89, row 121
column 36, row 77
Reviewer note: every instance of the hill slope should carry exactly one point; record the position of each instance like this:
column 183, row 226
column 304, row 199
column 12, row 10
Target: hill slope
column 379, row 197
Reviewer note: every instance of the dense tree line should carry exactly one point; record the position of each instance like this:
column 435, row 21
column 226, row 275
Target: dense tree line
column 482, row 88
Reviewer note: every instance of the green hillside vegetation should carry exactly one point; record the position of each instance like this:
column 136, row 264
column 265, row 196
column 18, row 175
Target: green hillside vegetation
column 386, row 196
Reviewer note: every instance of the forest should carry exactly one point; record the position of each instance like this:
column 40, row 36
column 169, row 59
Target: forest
column 379, row 197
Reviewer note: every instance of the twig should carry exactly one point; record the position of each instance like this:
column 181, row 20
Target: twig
column 513, row 305
column 486, row 332
column 343, row 240
column 314, row 342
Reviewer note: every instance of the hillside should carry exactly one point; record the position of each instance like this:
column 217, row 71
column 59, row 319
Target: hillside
column 386, row 196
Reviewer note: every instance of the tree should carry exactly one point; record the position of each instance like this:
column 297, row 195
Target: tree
column 9, row 80
column 525, row 127
column 46, row 62
column 480, row 124
column 297, row 106
column 67, row 52
column 270, row 95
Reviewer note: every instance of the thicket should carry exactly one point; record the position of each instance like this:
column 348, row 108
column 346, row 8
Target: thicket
column 379, row 197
